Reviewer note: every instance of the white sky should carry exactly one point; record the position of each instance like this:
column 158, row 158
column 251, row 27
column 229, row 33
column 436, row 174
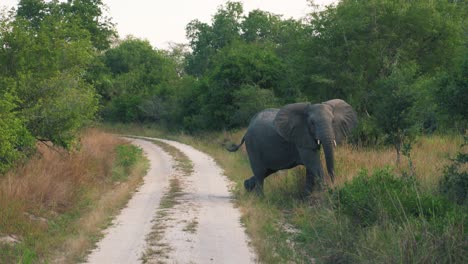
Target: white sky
column 163, row 21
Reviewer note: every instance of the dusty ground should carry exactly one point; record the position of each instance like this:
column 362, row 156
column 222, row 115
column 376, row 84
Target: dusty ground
column 200, row 226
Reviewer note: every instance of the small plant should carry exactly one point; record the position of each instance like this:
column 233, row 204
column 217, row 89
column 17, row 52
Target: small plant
column 127, row 155
column 454, row 183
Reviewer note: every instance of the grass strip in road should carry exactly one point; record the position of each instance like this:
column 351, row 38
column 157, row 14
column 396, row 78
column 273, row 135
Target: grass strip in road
column 157, row 250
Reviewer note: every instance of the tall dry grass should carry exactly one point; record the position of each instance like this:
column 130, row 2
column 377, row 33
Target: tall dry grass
column 429, row 156
column 60, row 198
column 52, row 179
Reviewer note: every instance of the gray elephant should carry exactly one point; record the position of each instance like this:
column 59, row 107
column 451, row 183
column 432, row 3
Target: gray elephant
column 278, row 139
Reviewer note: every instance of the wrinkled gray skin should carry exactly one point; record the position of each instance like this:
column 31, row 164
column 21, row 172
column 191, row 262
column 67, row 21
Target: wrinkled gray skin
column 278, row 139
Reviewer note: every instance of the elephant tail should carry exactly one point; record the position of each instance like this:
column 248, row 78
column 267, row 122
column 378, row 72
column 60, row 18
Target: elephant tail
column 234, row 147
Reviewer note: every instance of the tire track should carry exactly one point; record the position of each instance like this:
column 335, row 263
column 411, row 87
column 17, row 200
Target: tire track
column 200, row 225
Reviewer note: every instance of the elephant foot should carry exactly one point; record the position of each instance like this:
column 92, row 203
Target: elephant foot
column 249, row 184
column 315, row 197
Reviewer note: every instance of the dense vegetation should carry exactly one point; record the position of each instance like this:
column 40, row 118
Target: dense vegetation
column 45, row 50
column 401, row 64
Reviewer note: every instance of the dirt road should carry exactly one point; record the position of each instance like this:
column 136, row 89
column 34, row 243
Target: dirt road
column 201, row 225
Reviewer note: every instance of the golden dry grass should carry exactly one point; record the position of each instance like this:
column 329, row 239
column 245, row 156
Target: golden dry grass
column 49, row 180
column 429, row 155
column 73, row 191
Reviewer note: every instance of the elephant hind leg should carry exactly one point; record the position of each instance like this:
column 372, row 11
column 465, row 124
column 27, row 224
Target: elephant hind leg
column 250, row 183
column 256, row 182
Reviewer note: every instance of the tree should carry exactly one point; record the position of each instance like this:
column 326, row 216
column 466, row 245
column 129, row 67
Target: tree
column 83, row 14
column 44, row 52
column 395, row 112
column 15, row 140
column 249, row 100
column 237, row 65
column 359, row 48
column 357, row 43
column 206, row 40
column 261, row 26
column 66, row 105
column 128, row 75
column 451, row 93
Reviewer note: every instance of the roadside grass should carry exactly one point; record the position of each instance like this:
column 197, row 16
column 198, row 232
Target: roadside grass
column 57, row 203
column 410, row 226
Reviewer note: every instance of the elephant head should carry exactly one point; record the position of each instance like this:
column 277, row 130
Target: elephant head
column 310, row 125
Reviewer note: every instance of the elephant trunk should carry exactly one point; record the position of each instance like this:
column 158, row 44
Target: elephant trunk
column 327, row 138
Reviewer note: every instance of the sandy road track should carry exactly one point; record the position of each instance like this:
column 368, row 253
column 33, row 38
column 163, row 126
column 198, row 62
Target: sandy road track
column 204, row 226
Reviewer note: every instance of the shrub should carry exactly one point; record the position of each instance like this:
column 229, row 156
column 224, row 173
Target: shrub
column 124, row 108
column 127, row 156
column 14, row 137
column 454, row 183
column 385, row 198
column 249, row 100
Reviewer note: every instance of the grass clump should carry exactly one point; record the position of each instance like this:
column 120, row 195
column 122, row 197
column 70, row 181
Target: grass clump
column 384, row 197
column 126, row 157
column 383, row 218
column 454, row 183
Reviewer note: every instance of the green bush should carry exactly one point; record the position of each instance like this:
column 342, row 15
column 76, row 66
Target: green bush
column 249, row 100
column 15, row 139
column 126, row 157
column 124, row 108
column 454, row 183
column 383, row 198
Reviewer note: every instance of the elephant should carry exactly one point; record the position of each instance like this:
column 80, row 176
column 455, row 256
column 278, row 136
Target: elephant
column 278, row 139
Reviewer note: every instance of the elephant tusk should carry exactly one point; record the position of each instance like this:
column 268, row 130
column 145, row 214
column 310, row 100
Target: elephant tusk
column 334, row 142
column 318, row 141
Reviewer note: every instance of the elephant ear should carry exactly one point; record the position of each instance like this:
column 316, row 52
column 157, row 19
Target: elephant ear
column 291, row 123
column 344, row 119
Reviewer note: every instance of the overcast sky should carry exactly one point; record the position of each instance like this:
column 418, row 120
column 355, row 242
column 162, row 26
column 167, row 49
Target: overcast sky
column 164, row 21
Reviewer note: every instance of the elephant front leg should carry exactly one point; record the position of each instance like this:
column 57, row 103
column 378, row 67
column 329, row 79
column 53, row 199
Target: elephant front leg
column 313, row 181
column 314, row 173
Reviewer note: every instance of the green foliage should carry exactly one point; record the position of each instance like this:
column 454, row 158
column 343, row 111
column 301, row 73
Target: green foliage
column 249, row 100
column 129, row 76
column 367, row 133
column 45, row 48
column 126, row 157
column 15, row 139
column 206, row 40
column 361, row 47
column 65, row 105
column 451, row 93
column 394, row 106
column 123, row 108
column 84, row 15
column 236, row 66
column 384, row 198
column 454, row 183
